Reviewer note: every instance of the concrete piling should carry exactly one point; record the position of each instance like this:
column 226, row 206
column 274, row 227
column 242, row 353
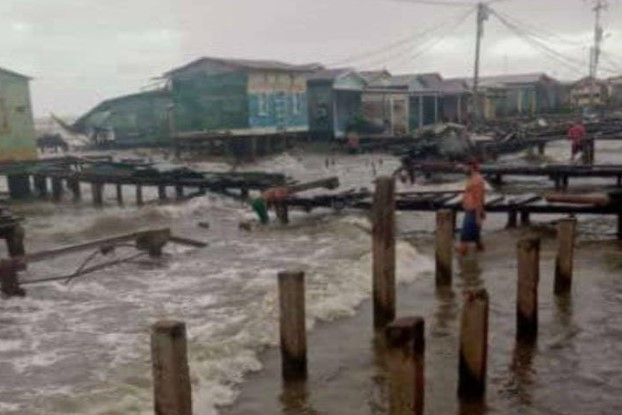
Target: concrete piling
column 179, row 192
column 139, row 195
column 282, row 213
column 512, row 220
column 406, row 343
column 19, row 186
column 528, row 250
column 119, row 188
column 74, row 186
column 566, row 234
column 162, row 192
column 41, row 185
column 97, row 190
column 444, row 246
column 57, row 189
column 525, row 218
column 473, row 345
column 292, row 325
column 383, row 249
column 172, row 393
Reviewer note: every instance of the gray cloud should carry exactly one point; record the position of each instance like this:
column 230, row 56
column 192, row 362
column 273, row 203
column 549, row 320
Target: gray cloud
column 83, row 51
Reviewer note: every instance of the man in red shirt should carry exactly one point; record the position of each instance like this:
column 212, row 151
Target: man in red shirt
column 576, row 133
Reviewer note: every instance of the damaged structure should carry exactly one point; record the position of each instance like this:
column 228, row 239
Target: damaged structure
column 17, row 132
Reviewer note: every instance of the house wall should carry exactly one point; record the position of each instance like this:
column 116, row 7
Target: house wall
column 214, row 101
column 347, row 107
column 278, row 100
column 379, row 108
column 137, row 119
column 320, row 106
column 17, row 132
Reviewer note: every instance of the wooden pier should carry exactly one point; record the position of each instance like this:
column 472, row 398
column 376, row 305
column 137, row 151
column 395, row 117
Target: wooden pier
column 560, row 174
column 514, row 206
column 68, row 173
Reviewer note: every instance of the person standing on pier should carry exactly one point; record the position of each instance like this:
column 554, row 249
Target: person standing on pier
column 473, row 203
column 576, row 134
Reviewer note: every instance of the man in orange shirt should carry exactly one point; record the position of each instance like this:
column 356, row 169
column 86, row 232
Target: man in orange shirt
column 473, row 203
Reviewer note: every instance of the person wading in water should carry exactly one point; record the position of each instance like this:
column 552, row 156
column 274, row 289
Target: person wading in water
column 473, row 203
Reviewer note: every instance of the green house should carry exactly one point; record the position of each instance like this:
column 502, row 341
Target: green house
column 17, row 131
column 239, row 96
column 131, row 120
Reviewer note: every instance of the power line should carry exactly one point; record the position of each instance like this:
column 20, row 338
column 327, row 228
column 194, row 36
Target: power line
column 429, row 44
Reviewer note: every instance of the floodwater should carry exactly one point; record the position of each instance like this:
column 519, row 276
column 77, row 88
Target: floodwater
column 83, row 348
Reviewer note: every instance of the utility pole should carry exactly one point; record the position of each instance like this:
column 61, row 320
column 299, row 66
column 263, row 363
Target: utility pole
column 482, row 16
column 595, row 51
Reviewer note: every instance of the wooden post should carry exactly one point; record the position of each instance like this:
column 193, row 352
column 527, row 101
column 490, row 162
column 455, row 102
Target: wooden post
column 139, row 195
column 15, row 241
column 74, row 186
column 512, row 219
column 527, row 292
column 524, row 218
column 619, row 233
column 162, row 192
column 19, row 186
column 179, row 191
column 406, row 341
column 9, row 282
column 172, row 393
column 565, row 253
column 383, row 249
column 41, row 185
column 444, row 246
column 153, row 241
column 97, row 189
column 473, row 345
column 282, row 212
column 292, row 325
column 57, row 189
column 119, row 188
column 541, row 149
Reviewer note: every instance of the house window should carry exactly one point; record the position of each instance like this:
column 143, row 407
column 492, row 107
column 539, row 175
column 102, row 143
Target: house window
column 297, row 103
column 263, row 103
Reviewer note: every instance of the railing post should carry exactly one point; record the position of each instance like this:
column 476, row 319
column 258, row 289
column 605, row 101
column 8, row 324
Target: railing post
column 293, row 325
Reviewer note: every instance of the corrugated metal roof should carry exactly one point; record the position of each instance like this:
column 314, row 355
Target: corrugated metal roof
column 329, row 74
column 14, row 73
column 501, row 81
column 249, row 64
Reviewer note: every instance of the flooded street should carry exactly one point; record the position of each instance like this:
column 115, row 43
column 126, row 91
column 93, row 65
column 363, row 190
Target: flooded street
column 83, row 348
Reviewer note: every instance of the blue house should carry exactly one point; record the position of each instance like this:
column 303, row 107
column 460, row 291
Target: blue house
column 334, row 101
column 239, row 96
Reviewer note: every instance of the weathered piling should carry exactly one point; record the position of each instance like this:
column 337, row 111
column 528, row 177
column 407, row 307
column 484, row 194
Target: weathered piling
column 139, row 195
column 282, row 213
column 406, row 342
column 162, row 192
column 19, row 186
column 528, row 252
column 444, row 246
column 41, row 185
column 179, row 192
column 512, row 219
column 15, row 241
column 473, row 345
column 292, row 325
column 57, row 189
column 9, row 282
column 119, row 189
column 172, row 393
column 566, row 234
column 74, row 186
column 97, row 190
column 383, row 249
column 525, row 219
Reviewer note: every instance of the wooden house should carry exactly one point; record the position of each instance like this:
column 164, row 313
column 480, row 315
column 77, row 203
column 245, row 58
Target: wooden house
column 588, row 91
column 17, row 131
column 131, row 120
column 335, row 98
column 240, row 96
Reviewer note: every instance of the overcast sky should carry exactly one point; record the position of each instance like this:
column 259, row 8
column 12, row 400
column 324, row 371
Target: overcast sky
column 83, row 51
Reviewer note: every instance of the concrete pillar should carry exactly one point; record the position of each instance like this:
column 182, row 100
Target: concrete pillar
column 139, row 195
column 57, row 189
column 41, row 185
column 119, row 188
column 97, row 190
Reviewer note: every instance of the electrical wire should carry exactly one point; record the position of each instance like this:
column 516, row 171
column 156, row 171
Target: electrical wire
column 427, row 45
column 406, row 41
